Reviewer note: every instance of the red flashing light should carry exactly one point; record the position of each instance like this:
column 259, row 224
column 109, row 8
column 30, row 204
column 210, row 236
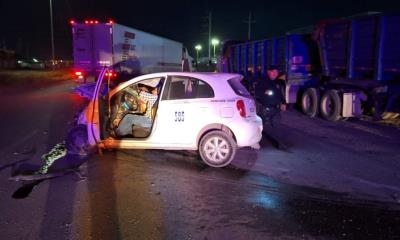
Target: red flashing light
column 86, row 21
column 241, row 108
column 72, row 22
column 110, row 21
column 111, row 74
column 96, row 22
column 78, row 73
column 91, row 22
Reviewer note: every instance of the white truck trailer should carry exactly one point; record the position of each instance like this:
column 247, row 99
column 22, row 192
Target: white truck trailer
column 132, row 52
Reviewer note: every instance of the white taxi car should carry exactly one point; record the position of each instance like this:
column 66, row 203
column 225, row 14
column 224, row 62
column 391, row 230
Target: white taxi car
column 212, row 113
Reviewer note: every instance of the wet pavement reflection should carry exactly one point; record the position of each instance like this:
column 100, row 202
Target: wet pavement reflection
column 157, row 194
column 195, row 201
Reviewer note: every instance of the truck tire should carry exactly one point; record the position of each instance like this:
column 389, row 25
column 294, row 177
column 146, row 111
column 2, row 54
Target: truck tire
column 217, row 149
column 309, row 102
column 331, row 106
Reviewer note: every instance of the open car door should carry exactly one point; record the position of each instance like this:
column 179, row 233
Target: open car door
column 93, row 113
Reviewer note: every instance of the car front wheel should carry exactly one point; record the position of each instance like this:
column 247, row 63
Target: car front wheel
column 217, row 149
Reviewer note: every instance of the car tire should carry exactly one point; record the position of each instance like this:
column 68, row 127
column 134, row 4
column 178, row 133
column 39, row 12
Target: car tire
column 217, row 149
column 77, row 141
column 331, row 106
column 309, row 102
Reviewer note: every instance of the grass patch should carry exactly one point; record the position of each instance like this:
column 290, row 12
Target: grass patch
column 29, row 77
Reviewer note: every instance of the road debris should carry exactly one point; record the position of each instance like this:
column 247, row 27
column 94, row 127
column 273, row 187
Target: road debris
column 49, row 158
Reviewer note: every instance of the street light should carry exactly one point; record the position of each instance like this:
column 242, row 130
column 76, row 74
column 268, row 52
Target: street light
column 214, row 42
column 198, row 48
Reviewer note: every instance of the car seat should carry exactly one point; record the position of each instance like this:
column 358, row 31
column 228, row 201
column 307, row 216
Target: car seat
column 141, row 132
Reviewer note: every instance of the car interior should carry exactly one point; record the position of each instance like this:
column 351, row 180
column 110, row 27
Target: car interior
column 129, row 102
column 126, row 104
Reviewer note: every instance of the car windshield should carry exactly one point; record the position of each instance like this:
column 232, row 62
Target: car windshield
column 238, row 88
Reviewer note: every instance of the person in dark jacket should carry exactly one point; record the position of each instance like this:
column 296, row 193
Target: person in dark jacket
column 270, row 94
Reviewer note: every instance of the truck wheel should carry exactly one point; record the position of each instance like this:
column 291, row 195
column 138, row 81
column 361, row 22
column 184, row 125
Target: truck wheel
column 331, row 106
column 77, row 141
column 309, row 102
column 217, row 149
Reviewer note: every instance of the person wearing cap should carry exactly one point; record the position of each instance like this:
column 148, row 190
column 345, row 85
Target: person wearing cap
column 269, row 94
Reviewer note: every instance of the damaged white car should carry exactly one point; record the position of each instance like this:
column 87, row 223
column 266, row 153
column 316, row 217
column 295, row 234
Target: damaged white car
column 212, row 113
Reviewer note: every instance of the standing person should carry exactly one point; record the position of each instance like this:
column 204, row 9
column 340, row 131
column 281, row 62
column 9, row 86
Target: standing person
column 270, row 95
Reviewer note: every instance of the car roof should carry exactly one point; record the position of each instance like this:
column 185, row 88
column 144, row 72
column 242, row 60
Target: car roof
column 209, row 77
column 202, row 75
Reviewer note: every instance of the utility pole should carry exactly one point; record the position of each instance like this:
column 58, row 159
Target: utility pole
column 249, row 22
column 209, row 36
column 52, row 34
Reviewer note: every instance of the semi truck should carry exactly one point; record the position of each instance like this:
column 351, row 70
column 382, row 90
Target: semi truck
column 341, row 68
column 130, row 51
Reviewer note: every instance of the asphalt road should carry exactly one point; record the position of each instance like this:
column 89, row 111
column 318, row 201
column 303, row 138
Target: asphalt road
column 334, row 181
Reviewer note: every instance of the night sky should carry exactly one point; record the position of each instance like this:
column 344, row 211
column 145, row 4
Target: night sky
column 26, row 26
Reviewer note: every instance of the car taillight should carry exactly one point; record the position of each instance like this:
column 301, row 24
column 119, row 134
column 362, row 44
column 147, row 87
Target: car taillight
column 79, row 74
column 241, row 108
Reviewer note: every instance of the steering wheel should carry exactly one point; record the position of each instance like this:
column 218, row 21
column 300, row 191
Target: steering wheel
column 132, row 100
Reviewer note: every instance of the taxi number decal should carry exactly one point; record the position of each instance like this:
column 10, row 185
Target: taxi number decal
column 179, row 116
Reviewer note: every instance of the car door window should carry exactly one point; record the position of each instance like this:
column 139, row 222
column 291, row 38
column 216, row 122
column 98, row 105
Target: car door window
column 204, row 90
column 187, row 88
column 178, row 88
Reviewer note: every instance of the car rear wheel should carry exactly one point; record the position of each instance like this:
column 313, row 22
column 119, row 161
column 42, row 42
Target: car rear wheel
column 217, row 149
